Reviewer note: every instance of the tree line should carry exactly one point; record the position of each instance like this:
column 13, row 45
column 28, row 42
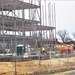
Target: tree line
column 64, row 35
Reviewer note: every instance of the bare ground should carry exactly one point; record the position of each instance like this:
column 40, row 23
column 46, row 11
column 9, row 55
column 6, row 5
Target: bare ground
column 22, row 68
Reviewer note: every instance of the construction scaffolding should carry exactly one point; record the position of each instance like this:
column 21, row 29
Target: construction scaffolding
column 24, row 23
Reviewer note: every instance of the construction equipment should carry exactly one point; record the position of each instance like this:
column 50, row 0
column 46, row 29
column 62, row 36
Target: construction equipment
column 66, row 48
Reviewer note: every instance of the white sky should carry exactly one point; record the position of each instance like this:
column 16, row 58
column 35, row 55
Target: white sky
column 65, row 15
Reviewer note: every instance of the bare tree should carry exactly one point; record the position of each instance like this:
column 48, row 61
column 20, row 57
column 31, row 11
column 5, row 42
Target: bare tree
column 73, row 34
column 63, row 34
column 68, row 39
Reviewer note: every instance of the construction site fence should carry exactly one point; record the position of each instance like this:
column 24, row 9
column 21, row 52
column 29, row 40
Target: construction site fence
column 17, row 65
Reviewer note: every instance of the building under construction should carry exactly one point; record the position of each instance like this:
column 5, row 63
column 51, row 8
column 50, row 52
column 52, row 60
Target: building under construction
column 27, row 22
column 32, row 25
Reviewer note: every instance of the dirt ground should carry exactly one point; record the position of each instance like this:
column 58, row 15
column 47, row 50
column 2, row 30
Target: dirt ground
column 64, row 73
column 22, row 68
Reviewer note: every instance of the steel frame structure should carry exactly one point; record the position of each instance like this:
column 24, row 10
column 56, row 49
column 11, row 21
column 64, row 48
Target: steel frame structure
column 18, row 28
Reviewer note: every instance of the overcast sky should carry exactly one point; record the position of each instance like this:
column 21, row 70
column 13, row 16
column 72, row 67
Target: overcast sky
column 65, row 15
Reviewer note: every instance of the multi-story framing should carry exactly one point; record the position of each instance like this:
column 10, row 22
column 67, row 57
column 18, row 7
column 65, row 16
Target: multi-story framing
column 22, row 22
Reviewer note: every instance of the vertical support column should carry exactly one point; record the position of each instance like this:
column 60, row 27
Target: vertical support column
column 49, row 17
column 55, row 21
column 23, row 27
column 35, row 32
column 46, row 17
column 11, row 47
column 52, row 24
column 3, row 25
column 41, row 38
column 60, row 67
column 0, row 29
column 30, row 17
column 15, row 36
column 43, row 19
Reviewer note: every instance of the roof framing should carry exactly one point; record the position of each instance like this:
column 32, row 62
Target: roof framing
column 8, row 5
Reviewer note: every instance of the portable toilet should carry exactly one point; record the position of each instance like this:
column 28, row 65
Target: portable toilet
column 20, row 49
